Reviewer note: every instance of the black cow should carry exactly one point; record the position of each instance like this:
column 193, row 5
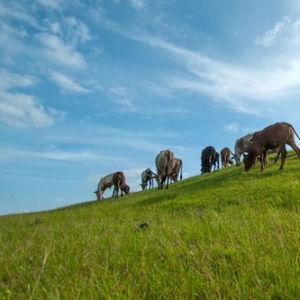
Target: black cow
column 209, row 158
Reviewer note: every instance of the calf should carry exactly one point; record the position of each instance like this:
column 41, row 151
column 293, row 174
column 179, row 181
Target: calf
column 272, row 137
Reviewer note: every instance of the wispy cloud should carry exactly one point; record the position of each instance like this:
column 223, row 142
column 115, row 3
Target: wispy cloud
column 58, row 155
column 61, row 52
column 71, row 30
column 67, row 83
column 273, row 34
column 16, row 11
column 229, row 83
column 52, row 4
column 122, row 97
column 21, row 110
column 138, row 4
column 232, row 127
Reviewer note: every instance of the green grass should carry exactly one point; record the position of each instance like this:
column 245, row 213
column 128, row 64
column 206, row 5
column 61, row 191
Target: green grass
column 224, row 235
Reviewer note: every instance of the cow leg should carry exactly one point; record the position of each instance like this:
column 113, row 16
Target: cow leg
column 278, row 153
column 283, row 157
column 114, row 191
column 263, row 160
column 159, row 181
column 262, row 165
column 295, row 148
column 237, row 159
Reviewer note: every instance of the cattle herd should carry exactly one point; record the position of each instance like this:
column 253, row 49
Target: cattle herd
column 253, row 146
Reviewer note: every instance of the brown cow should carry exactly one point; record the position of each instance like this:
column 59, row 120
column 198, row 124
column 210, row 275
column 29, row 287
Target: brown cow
column 272, row 137
column 120, row 184
column 225, row 157
column 164, row 165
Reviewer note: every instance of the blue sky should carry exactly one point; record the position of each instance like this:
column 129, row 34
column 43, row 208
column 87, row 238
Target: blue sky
column 88, row 88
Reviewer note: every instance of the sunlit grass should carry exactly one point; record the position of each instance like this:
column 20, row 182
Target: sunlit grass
column 224, row 235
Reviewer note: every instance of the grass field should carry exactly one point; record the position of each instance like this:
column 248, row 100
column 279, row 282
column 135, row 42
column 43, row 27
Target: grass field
column 223, row 235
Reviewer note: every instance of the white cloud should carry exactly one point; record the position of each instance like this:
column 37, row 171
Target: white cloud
column 15, row 11
column 58, row 155
column 52, row 4
column 62, row 53
column 67, row 83
column 21, row 110
column 232, row 84
column 233, row 127
column 11, row 80
column 126, row 104
column 272, row 35
column 122, row 95
column 138, row 4
column 77, row 31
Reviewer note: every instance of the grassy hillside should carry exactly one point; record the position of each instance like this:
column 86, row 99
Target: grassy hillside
column 224, row 235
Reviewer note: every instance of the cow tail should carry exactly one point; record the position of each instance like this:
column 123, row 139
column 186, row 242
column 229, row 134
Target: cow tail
column 181, row 171
column 295, row 132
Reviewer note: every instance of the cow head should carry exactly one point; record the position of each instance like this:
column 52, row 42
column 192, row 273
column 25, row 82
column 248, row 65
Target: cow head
column 98, row 194
column 143, row 185
column 126, row 189
column 249, row 160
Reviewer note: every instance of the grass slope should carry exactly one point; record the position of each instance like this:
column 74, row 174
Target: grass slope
column 223, row 235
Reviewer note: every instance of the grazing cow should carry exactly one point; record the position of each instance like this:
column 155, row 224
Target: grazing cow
column 177, row 168
column 242, row 145
column 117, row 180
column 225, row 157
column 164, row 165
column 209, row 157
column 147, row 176
column 272, row 137
column 260, row 158
column 215, row 161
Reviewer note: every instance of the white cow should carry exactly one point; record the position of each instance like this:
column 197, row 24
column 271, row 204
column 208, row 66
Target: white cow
column 117, row 180
column 242, row 145
column 165, row 163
